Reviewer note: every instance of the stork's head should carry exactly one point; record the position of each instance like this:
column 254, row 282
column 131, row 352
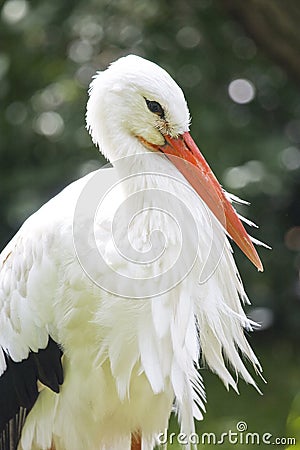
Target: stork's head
column 134, row 99
column 136, row 107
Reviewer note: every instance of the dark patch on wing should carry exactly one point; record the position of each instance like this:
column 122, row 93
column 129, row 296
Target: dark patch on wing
column 11, row 434
column 19, row 389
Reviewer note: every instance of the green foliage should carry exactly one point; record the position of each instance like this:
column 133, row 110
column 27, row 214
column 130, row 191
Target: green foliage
column 294, row 422
column 48, row 53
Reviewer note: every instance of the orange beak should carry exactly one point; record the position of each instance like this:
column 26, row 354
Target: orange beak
column 183, row 152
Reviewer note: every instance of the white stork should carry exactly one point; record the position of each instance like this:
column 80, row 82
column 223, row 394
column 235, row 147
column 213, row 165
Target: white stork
column 95, row 352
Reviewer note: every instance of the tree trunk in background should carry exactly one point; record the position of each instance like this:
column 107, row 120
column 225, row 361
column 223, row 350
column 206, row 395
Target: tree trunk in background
column 274, row 26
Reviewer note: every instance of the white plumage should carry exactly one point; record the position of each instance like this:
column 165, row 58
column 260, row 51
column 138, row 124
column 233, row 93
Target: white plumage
column 126, row 358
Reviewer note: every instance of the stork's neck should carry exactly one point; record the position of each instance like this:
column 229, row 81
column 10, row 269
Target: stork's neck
column 138, row 168
column 147, row 170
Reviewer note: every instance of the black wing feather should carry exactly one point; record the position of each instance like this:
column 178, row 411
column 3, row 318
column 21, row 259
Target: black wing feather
column 19, row 390
column 11, row 433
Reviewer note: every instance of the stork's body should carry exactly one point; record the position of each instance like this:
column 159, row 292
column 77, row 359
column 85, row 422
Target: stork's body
column 128, row 353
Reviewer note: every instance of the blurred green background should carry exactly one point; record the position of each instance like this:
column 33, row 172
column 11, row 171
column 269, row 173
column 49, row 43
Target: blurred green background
column 239, row 65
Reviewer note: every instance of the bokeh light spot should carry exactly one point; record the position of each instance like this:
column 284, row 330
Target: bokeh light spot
column 251, row 172
column 16, row 113
column 80, row 51
column 88, row 29
column 188, row 37
column 49, row 124
column 292, row 239
column 262, row 316
column 290, row 158
column 254, row 170
column 14, row 10
column 292, row 130
column 234, row 178
column 241, row 91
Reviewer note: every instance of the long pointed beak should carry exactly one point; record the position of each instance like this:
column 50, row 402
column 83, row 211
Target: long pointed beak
column 183, row 152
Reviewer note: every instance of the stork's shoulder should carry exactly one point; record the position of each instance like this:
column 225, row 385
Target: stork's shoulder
column 35, row 238
column 32, row 266
column 56, row 214
column 62, row 207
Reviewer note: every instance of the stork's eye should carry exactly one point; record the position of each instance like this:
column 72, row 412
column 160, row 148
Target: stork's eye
column 155, row 108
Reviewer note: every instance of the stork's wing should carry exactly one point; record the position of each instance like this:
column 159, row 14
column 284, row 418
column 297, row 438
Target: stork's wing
column 11, row 433
column 32, row 268
column 18, row 384
column 19, row 389
column 27, row 352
